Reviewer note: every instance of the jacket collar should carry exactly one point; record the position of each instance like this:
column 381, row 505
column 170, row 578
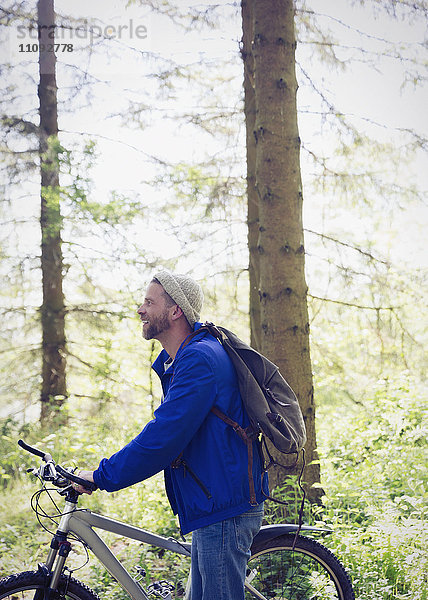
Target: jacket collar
column 159, row 364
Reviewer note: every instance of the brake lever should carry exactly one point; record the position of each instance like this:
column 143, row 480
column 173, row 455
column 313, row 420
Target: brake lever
column 49, row 471
column 71, row 477
column 34, row 471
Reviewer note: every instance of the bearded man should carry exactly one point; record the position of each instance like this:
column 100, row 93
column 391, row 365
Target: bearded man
column 204, row 462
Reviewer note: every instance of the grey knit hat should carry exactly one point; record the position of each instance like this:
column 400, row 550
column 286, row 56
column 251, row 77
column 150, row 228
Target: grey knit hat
column 184, row 291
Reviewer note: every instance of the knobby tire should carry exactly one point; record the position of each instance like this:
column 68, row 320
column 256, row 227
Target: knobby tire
column 311, row 572
column 24, row 586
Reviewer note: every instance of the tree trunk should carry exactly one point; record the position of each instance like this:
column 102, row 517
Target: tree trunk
column 252, row 199
column 279, row 252
column 54, row 390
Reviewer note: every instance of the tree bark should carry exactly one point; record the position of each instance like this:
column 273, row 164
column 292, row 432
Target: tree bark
column 54, row 389
column 279, row 252
column 252, row 199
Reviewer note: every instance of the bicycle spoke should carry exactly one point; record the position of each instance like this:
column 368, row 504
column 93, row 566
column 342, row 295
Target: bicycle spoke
column 280, row 574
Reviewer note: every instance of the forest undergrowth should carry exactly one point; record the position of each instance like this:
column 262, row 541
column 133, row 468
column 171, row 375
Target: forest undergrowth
column 373, row 458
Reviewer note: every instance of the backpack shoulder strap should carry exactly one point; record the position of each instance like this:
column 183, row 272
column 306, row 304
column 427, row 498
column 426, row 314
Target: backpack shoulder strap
column 206, row 327
column 247, row 436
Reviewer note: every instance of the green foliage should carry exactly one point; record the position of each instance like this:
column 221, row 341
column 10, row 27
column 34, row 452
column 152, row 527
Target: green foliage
column 373, row 462
column 12, row 462
column 372, row 459
column 53, row 155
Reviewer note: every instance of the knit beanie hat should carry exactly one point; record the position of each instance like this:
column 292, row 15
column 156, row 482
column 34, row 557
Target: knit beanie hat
column 184, row 291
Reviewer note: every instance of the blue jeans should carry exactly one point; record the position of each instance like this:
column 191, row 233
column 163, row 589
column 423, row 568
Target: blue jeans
column 220, row 553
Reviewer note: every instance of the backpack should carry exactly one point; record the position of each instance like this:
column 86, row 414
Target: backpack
column 271, row 405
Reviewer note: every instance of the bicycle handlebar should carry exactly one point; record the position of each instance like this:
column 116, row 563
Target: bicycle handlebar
column 89, row 485
column 45, row 455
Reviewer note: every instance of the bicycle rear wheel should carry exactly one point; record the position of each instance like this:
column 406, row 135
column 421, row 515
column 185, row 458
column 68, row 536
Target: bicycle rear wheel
column 310, row 572
column 30, row 584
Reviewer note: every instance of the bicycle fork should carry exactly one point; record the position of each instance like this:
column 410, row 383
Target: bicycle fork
column 59, row 550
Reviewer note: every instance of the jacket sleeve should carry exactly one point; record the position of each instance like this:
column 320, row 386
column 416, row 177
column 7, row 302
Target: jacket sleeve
column 187, row 403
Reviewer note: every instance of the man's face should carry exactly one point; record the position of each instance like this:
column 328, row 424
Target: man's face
column 154, row 312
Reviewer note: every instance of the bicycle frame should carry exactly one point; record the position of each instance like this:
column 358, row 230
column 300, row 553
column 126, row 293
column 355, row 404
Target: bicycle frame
column 82, row 521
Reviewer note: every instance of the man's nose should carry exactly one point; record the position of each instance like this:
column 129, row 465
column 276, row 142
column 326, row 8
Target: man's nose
column 140, row 310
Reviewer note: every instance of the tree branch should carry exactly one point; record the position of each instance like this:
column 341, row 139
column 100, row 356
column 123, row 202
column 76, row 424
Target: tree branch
column 352, row 305
column 363, row 252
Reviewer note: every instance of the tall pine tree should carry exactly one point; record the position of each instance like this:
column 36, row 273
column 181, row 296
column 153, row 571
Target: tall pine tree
column 54, row 389
column 277, row 253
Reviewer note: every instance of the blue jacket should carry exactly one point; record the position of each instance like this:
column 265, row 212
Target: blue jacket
column 215, row 485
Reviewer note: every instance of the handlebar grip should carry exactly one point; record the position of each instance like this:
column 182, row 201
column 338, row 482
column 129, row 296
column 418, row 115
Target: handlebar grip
column 89, row 485
column 33, row 450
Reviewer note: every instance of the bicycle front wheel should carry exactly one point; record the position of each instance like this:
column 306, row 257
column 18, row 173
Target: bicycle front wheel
column 30, row 585
column 310, row 572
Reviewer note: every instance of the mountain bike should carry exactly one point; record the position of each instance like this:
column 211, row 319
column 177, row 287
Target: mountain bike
column 283, row 565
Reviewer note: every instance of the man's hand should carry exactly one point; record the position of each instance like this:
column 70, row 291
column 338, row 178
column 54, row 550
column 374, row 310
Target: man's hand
column 89, row 476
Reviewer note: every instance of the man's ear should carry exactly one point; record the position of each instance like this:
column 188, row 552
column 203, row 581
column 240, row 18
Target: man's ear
column 176, row 313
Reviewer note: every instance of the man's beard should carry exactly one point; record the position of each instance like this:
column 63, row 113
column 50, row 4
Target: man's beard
column 156, row 326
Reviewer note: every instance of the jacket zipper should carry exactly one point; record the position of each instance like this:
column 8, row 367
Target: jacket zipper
column 192, row 474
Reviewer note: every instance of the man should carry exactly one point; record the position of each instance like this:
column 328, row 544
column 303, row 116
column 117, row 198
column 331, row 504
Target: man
column 204, row 461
